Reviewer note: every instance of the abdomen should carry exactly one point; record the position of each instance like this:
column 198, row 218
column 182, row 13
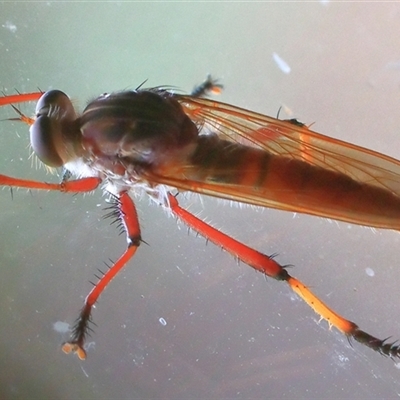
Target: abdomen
column 247, row 174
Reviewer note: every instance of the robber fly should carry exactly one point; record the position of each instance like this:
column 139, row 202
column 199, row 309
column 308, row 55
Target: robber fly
column 155, row 140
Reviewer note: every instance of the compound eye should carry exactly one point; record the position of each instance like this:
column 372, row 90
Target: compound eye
column 54, row 112
column 55, row 104
column 43, row 141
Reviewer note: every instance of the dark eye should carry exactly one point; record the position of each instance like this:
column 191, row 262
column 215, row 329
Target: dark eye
column 55, row 102
column 54, row 111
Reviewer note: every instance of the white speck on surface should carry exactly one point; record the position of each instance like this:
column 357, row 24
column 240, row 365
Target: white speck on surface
column 85, row 373
column 180, row 270
column 10, row 26
column 281, row 63
column 369, row 271
column 162, row 321
column 61, row 327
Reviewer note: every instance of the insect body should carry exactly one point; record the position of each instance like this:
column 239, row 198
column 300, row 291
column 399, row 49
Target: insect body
column 153, row 140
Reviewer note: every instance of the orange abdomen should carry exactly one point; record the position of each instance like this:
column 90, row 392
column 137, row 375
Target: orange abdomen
column 290, row 184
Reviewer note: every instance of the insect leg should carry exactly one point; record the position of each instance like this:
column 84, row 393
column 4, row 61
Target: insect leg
column 126, row 213
column 209, row 86
column 20, row 98
column 74, row 186
column 269, row 267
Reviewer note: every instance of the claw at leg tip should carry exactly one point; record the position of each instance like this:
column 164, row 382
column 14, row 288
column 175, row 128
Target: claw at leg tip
column 70, row 347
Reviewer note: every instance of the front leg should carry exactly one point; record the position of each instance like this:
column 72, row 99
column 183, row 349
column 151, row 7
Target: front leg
column 124, row 211
column 74, row 186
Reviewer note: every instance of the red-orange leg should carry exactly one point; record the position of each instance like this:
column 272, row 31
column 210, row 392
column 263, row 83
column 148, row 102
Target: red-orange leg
column 74, row 186
column 125, row 212
column 20, row 98
column 269, row 267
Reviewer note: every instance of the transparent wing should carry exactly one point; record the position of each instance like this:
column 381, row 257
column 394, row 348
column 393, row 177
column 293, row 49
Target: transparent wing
column 289, row 138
